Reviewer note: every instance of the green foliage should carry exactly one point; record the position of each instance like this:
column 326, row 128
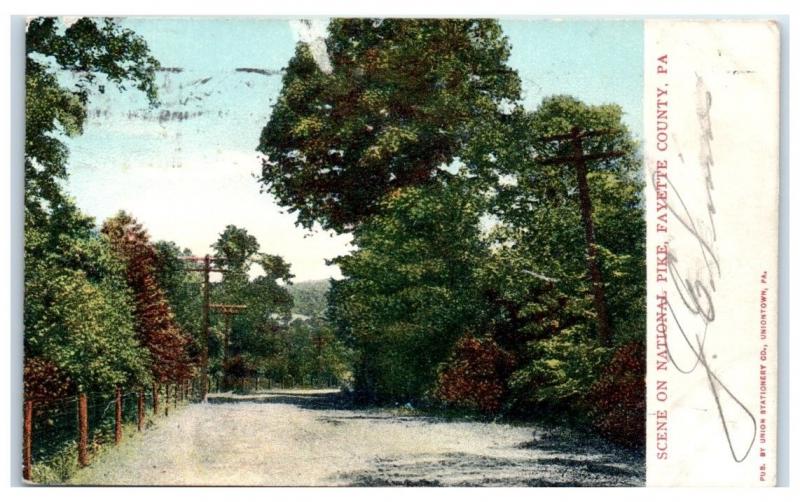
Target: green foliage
column 558, row 375
column 538, row 279
column 235, row 248
column 183, row 290
column 401, row 99
column 87, row 331
column 259, row 342
column 62, row 466
column 79, row 327
column 539, row 211
column 96, row 52
column 310, row 298
column 408, row 292
column 78, row 314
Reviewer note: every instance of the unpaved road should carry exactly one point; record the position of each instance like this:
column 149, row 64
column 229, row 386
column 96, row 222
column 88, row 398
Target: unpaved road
column 302, row 438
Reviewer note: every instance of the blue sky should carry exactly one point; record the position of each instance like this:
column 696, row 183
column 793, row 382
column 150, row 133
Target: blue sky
column 186, row 169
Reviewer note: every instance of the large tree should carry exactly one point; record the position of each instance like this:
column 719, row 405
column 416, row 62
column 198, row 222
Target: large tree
column 409, row 289
column 539, row 208
column 78, row 320
column 79, row 327
column 154, row 320
column 542, row 284
column 398, row 103
column 96, row 53
column 183, row 290
column 257, row 280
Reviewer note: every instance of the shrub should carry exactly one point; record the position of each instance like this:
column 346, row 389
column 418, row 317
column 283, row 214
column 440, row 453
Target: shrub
column 616, row 401
column 560, row 371
column 475, row 376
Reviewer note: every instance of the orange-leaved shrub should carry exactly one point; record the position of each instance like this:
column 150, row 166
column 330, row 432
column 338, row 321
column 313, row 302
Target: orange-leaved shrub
column 476, row 375
column 616, row 401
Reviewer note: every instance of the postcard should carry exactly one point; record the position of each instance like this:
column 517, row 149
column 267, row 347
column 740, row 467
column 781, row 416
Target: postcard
column 400, row 252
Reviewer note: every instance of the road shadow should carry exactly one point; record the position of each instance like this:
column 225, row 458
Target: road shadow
column 462, row 469
column 312, row 400
column 565, row 441
column 553, row 456
column 331, row 400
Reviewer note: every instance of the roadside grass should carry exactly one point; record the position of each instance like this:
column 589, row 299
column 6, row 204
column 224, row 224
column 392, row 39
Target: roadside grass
column 62, row 466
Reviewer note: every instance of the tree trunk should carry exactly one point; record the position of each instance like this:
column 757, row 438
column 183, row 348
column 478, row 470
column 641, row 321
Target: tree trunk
column 155, row 399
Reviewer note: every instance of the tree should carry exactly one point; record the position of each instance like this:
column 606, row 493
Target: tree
column 235, row 249
column 183, row 291
column 540, row 208
column 254, row 333
column 401, row 100
column 96, row 52
column 539, row 278
column 155, row 322
column 310, row 298
column 79, row 329
column 408, row 292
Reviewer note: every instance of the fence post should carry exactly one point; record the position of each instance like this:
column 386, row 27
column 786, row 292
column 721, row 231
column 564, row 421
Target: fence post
column 118, row 416
column 155, row 399
column 27, row 440
column 166, row 400
column 83, row 430
column 140, row 411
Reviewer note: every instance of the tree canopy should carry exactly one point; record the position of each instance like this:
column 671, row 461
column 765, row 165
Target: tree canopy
column 97, row 53
column 79, row 317
column 155, row 323
column 399, row 103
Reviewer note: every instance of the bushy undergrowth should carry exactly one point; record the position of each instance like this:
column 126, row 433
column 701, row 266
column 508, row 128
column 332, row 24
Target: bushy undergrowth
column 616, row 401
column 476, row 376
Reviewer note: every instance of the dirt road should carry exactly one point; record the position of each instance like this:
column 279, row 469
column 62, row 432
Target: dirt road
column 304, row 438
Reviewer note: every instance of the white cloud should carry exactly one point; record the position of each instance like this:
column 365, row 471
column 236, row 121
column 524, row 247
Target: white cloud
column 312, row 32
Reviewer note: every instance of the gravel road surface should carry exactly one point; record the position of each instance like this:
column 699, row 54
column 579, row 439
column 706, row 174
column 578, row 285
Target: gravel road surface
column 308, row 438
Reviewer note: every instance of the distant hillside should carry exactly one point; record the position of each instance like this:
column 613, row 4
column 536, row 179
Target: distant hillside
column 309, row 297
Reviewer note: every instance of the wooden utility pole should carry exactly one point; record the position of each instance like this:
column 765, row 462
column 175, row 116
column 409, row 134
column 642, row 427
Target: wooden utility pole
column 206, row 322
column 27, row 440
column 206, row 269
column 140, row 410
column 83, row 430
column 118, row 416
column 578, row 160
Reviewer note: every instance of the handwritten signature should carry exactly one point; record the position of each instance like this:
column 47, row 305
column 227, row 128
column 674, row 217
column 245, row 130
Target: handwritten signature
column 697, row 294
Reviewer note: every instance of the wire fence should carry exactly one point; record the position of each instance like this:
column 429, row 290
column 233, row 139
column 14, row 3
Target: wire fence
column 61, row 430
